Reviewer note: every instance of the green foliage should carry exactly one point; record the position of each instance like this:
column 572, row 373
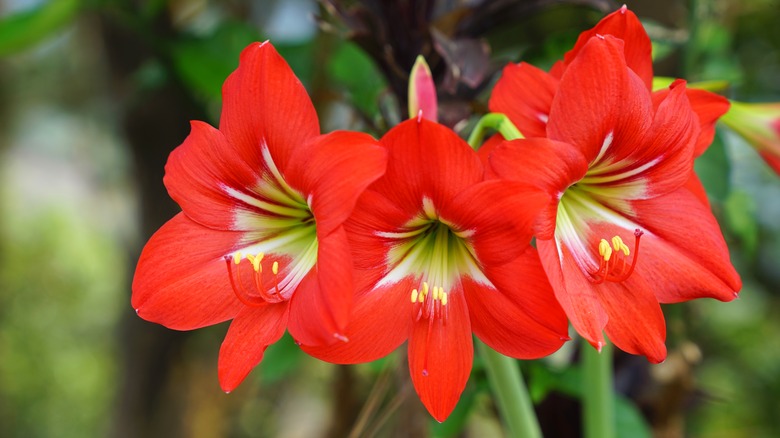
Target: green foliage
column 352, row 71
column 24, row 29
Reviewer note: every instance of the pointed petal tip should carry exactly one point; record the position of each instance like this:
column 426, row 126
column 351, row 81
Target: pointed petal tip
column 340, row 337
column 419, row 115
column 599, row 345
column 623, row 9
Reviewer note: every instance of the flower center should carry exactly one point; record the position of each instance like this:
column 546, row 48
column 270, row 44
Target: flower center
column 613, row 266
column 436, row 254
column 278, row 223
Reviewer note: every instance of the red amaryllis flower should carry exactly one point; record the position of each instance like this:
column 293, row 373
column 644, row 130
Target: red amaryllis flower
column 623, row 233
column 441, row 255
column 260, row 239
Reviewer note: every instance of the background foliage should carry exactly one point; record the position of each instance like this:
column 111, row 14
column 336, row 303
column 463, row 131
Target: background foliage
column 94, row 95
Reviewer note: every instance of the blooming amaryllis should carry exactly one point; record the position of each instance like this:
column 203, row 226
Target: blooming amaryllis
column 441, row 255
column 260, row 238
column 623, row 233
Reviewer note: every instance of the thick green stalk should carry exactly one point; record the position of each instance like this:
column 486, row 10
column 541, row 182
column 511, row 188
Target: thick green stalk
column 496, row 122
column 510, row 392
column 597, row 391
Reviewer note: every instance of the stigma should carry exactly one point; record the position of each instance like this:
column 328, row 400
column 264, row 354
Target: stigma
column 263, row 293
column 613, row 256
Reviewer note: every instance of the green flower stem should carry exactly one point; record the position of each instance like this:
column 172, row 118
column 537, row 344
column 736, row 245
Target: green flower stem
column 496, row 122
column 512, row 397
column 597, row 392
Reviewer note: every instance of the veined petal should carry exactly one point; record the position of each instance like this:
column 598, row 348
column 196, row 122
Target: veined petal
column 684, row 262
column 525, row 94
column 440, row 357
column 600, row 104
column 321, row 305
column 250, row 333
column 201, row 174
column 625, row 25
column 332, row 171
column 549, row 165
column 498, row 217
column 707, row 106
column 660, row 162
column 520, row 317
column 381, row 321
column 263, row 103
column 425, row 157
column 636, row 324
column 181, row 281
column 573, row 291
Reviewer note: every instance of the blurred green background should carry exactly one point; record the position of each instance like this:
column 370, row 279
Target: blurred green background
column 95, row 94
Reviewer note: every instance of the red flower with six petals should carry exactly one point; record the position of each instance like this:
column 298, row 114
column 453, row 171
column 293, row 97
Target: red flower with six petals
column 260, row 239
column 616, row 161
column 439, row 255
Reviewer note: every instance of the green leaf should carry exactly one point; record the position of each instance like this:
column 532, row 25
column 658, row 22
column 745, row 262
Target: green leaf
column 354, row 72
column 23, row 29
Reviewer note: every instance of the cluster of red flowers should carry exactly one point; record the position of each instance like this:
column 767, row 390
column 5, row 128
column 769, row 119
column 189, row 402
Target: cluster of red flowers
column 356, row 245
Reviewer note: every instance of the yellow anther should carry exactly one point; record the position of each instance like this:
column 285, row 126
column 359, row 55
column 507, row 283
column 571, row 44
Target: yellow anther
column 443, row 298
column 275, row 268
column 624, row 248
column 414, row 296
column 604, row 250
column 603, row 247
column 617, row 243
column 441, row 293
column 237, row 257
column 425, row 289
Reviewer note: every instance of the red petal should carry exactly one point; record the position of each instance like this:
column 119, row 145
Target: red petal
column 250, row 333
column 552, row 166
column 264, row 103
column 665, row 155
column 181, row 281
column 440, row 357
column 625, row 25
column 573, row 291
column 520, row 317
column 425, row 158
column 198, row 172
column 525, row 94
column 684, row 255
column 501, row 215
column 321, row 305
column 334, row 170
column 708, row 108
column 600, row 101
column 695, row 186
column 380, row 322
column 636, row 323
column 373, row 212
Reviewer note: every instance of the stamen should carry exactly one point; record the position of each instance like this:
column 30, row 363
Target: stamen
column 262, row 297
column 616, row 269
column 429, row 303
